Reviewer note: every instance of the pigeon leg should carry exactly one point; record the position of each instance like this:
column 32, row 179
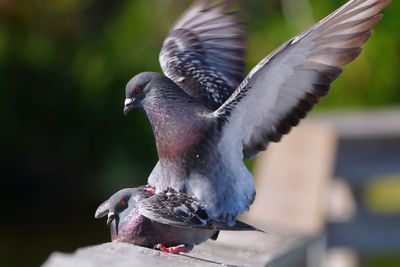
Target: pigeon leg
column 175, row 249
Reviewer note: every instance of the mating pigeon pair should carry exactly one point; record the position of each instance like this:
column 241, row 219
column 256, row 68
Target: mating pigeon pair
column 206, row 118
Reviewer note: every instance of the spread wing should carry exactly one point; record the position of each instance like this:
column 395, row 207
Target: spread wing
column 286, row 84
column 203, row 52
column 174, row 208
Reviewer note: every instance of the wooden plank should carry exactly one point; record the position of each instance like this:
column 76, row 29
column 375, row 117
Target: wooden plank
column 231, row 249
column 361, row 124
column 367, row 233
column 359, row 161
column 369, row 143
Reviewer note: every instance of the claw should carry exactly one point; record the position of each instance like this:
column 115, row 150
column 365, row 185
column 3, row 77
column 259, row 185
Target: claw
column 175, row 249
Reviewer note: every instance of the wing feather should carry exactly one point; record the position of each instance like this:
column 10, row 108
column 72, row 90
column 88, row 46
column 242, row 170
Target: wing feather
column 174, row 208
column 286, row 84
column 204, row 52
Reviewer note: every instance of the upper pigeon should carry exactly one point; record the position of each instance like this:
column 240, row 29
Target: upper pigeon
column 202, row 131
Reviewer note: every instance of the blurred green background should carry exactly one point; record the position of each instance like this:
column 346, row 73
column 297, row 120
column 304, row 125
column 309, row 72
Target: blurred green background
column 65, row 144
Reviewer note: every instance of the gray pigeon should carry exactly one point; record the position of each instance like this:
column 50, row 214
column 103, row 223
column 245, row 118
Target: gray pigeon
column 170, row 221
column 200, row 149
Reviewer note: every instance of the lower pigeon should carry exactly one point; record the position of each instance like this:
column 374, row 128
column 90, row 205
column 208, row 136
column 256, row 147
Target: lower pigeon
column 169, row 221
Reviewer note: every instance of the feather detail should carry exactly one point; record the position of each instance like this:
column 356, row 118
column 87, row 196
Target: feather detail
column 286, row 84
column 204, row 53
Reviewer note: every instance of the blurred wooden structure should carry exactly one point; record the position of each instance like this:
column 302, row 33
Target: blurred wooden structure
column 292, row 180
column 360, row 148
column 368, row 149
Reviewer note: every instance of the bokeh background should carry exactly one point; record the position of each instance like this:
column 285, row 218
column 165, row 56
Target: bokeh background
column 65, row 144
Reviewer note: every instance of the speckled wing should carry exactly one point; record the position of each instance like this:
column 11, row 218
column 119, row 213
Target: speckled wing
column 203, row 52
column 286, row 84
column 178, row 209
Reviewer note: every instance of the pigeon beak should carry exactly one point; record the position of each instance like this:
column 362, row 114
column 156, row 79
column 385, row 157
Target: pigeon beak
column 113, row 217
column 110, row 218
column 128, row 105
column 102, row 210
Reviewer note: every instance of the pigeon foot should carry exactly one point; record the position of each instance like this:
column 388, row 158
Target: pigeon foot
column 174, row 250
column 150, row 190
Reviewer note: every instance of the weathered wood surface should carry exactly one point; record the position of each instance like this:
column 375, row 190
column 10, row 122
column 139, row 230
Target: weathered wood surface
column 231, row 249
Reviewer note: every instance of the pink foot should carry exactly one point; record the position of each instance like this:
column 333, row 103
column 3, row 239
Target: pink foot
column 175, row 249
column 150, row 190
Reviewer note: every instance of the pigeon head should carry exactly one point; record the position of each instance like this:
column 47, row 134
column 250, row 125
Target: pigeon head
column 120, row 208
column 137, row 89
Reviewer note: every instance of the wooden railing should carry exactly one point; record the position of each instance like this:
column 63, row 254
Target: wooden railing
column 368, row 150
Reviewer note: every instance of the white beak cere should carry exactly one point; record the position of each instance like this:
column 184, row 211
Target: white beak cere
column 127, row 101
column 110, row 214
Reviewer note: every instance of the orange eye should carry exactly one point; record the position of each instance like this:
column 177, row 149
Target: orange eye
column 137, row 90
column 122, row 203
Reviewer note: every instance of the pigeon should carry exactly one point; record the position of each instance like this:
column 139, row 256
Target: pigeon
column 201, row 148
column 170, row 221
